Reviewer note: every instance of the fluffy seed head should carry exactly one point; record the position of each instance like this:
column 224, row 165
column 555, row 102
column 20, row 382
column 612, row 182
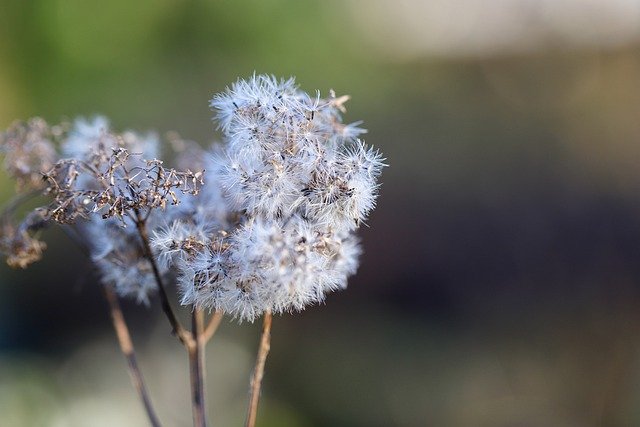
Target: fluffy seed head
column 290, row 185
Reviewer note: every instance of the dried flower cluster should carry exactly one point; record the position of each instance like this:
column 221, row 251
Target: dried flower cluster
column 29, row 151
column 108, row 174
column 18, row 241
column 273, row 229
column 99, row 182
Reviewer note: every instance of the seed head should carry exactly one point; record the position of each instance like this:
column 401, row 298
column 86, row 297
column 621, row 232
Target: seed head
column 289, row 187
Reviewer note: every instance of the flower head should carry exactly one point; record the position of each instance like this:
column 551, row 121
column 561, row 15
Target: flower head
column 273, row 229
column 289, row 187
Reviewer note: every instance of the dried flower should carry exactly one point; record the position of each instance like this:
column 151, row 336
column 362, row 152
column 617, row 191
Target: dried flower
column 273, row 231
column 109, row 175
column 102, row 184
column 29, row 151
column 18, row 241
column 274, row 227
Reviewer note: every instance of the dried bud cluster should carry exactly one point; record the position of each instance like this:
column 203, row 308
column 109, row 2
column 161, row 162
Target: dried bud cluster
column 274, row 227
column 102, row 184
column 29, row 152
column 18, row 241
column 107, row 174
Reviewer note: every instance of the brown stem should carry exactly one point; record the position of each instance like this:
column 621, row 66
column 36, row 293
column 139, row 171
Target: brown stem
column 126, row 346
column 178, row 330
column 197, row 369
column 212, row 326
column 258, row 372
column 193, row 341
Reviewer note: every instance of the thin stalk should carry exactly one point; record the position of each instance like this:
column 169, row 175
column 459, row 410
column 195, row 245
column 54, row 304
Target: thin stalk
column 258, row 371
column 197, row 369
column 194, row 341
column 124, row 337
column 212, row 326
column 178, row 330
column 126, row 346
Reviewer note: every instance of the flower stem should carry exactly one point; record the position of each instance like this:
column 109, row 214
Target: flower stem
column 197, row 369
column 193, row 341
column 212, row 326
column 258, row 371
column 126, row 346
column 178, row 330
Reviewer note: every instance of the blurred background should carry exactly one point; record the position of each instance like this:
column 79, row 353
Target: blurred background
column 500, row 284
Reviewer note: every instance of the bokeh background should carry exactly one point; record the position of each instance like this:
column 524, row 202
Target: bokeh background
column 500, row 284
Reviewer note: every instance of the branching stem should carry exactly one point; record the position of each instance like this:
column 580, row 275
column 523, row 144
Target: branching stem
column 179, row 331
column 193, row 341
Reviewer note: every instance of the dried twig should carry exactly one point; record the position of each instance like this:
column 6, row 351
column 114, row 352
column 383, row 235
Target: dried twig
column 212, row 326
column 197, row 369
column 124, row 338
column 183, row 335
column 193, row 341
column 258, row 372
column 126, row 345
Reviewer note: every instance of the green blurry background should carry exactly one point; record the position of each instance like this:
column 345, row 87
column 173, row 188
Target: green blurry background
column 500, row 284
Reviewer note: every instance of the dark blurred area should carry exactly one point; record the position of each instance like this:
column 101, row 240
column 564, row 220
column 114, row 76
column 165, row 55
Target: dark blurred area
column 500, row 283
